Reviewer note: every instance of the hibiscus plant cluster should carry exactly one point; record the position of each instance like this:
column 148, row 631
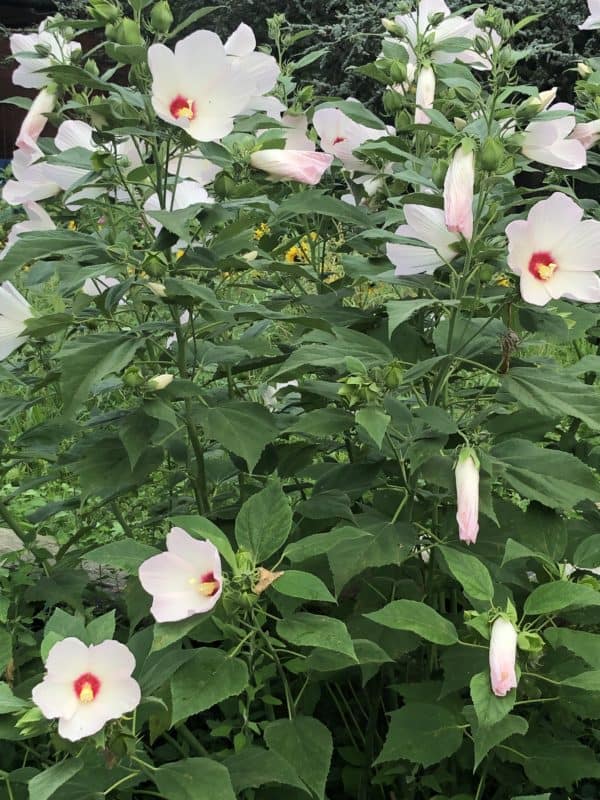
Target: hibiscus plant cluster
column 328, row 376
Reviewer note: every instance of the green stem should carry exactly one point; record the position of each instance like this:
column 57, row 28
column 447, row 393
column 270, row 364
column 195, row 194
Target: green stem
column 12, row 523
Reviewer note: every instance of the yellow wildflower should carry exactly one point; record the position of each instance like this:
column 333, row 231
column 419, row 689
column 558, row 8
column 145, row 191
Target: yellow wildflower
column 179, row 254
column 262, row 230
column 72, row 225
column 502, row 280
column 295, row 254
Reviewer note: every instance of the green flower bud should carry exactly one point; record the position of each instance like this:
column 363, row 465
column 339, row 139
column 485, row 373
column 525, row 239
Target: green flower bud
column 398, row 71
column 530, row 642
column 103, row 11
column 393, row 101
column 438, row 172
column 91, row 67
column 161, row 17
column 491, row 155
column 128, row 32
column 392, row 375
column 133, row 377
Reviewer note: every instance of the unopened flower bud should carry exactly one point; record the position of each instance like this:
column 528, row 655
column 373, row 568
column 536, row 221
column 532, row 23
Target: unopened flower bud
column 394, row 27
column 530, row 642
column 583, row 69
column 466, row 474
column 128, row 32
column 491, row 155
column 158, row 382
column 438, row 172
column 251, row 256
column 92, row 68
column 103, row 11
column 398, row 71
column 133, row 377
column 502, row 657
column 459, row 123
column 393, row 101
column 157, row 288
column 161, row 17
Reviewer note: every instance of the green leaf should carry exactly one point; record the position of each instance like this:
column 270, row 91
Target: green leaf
column 304, row 586
column 253, row 767
column 551, row 597
column 126, row 554
column 489, row 708
column 587, row 554
column 9, row 702
column 194, row 779
column 306, row 744
column 45, row 784
column 410, row 615
column 196, row 15
column 422, row 733
column 87, row 359
column 321, row 543
column 31, row 246
column 243, row 428
column 203, row 528
column 551, row 763
column 101, row 628
column 375, row 422
column 322, row 422
column 555, row 393
column 470, row 573
column 400, row 311
column 264, row 522
column 486, row 738
column 553, row 478
column 313, row 630
column 209, row 678
column 583, row 644
column 590, row 681
column 315, row 201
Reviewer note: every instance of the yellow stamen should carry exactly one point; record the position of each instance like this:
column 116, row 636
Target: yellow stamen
column 545, row 271
column 86, row 695
column 186, row 111
column 208, row 588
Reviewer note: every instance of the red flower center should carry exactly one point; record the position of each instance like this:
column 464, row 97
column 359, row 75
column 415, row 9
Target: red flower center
column 86, row 687
column 183, row 108
column 542, row 266
column 339, row 139
column 208, row 585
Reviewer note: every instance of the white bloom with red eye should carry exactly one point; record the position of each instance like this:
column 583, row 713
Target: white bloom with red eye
column 466, row 474
column 340, row 136
column 592, row 22
column 587, row 133
column 199, row 87
column 425, row 95
column 184, row 581
column 302, row 166
column 555, row 252
column 426, row 225
column 502, row 657
column 550, row 141
column 23, row 47
column 459, row 186
column 261, row 68
column 14, row 313
column 38, row 220
column 85, row 687
column 35, row 121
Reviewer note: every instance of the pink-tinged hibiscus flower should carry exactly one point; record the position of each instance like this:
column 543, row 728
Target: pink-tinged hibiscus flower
column 502, row 657
column 38, row 220
column 425, row 95
column 35, row 121
column 555, row 252
column 587, row 133
column 23, row 47
column 591, row 23
column 184, row 581
column 458, row 192
column 293, row 165
column 340, row 136
column 85, row 687
column 426, row 225
column 550, row 141
column 199, row 87
column 466, row 474
column 14, row 313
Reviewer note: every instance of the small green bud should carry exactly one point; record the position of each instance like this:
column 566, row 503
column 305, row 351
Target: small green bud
column 398, row 71
column 530, row 642
column 491, row 155
column 103, row 11
column 161, row 17
column 393, row 27
column 393, row 101
column 438, row 172
column 133, row 378
column 392, row 375
column 128, row 32
column 92, row 68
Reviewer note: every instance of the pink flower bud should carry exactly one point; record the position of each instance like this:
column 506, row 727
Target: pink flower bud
column 458, row 192
column 294, row 165
column 503, row 653
column 466, row 474
column 425, row 95
column 35, row 121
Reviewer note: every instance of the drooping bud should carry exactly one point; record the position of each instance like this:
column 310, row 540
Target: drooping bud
column 425, row 95
column 491, row 155
column 158, row 382
column 466, row 474
column 161, row 17
column 502, row 657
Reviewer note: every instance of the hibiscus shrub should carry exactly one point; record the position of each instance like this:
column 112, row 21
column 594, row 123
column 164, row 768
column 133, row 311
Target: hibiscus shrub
column 311, row 393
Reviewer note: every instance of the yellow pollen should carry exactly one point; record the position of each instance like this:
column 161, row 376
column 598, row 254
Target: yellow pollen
column 545, row 271
column 186, row 111
column 208, row 588
column 86, row 695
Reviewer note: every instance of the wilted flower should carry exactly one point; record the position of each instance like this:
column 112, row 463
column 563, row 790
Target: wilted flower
column 555, row 252
column 426, row 225
column 458, row 191
column 592, row 22
column 23, row 47
column 85, row 687
column 38, row 220
column 548, row 141
column 425, row 94
column 35, row 121
column 184, row 581
column 503, row 654
column 199, row 87
column 340, row 136
column 466, row 474
column 14, row 313
column 302, row 166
